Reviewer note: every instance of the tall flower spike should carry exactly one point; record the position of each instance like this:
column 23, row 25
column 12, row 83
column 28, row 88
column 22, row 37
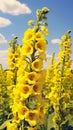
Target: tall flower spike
column 28, row 99
column 58, row 86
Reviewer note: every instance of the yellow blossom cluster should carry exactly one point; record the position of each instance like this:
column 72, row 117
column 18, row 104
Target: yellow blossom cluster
column 59, row 82
column 39, row 98
column 4, row 98
column 14, row 54
column 13, row 62
column 27, row 101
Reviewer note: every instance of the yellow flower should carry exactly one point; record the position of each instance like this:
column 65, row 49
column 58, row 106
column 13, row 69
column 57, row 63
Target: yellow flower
column 27, row 49
column 28, row 35
column 40, row 45
column 37, row 65
column 21, row 79
column 64, row 37
column 11, row 56
column 68, row 50
column 10, row 49
column 25, row 90
column 16, row 55
column 37, row 87
column 66, row 43
column 39, row 36
column 45, row 30
column 15, row 119
column 22, row 111
column 12, row 65
column 69, row 40
column 10, row 88
column 14, row 108
column 45, row 10
column 10, row 74
column 41, row 115
column 56, row 118
column 21, row 71
column 12, row 126
column 61, row 43
column 30, row 22
column 32, row 117
column 16, row 94
column 32, row 77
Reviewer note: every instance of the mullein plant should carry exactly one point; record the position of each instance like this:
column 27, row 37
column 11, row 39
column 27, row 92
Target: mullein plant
column 13, row 60
column 4, row 98
column 28, row 106
column 11, row 73
column 59, row 84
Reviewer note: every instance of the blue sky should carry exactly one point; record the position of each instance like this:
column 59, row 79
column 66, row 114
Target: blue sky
column 14, row 15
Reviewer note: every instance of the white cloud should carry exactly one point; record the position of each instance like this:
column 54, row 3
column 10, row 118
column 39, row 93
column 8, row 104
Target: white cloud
column 4, row 22
column 2, row 39
column 3, row 58
column 55, row 41
column 14, row 7
column 47, row 62
column 48, row 55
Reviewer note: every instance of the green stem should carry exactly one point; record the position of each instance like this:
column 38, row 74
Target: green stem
column 60, row 128
column 22, row 126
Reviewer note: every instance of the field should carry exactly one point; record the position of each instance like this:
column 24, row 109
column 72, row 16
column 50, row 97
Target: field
column 33, row 97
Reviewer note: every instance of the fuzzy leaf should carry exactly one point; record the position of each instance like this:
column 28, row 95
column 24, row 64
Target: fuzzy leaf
column 4, row 125
column 50, row 121
column 71, row 121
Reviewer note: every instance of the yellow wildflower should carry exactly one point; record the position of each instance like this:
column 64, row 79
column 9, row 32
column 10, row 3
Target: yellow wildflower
column 12, row 65
column 37, row 65
column 28, row 35
column 16, row 55
column 32, row 117
column 40, row 45
column 45, row 30
column 10, row 49
column 30, row 22
column 27, row 49
column 37, row 87
column 22, row 111
column 10, row 56
column 25, row 90
column 39, row 36
column 69, row 40
column 64, row 37
column 32, row 77
column 12, row 126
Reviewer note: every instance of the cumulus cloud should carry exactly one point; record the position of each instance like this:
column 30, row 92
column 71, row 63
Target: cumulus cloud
column 55, row 41
column 4, row 22
column 2, row 39
column 3, row 58
column 14, row 7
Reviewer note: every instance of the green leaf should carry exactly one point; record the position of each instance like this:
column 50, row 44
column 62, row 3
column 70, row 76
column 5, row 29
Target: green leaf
column 50, row 121
column 4, row 125
column 71, row 121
